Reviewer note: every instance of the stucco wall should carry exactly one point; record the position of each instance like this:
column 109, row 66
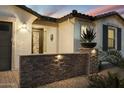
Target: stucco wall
column 98, row 28
column 66, row 36
column 21, row 41
column 77, row 28
column 77, row 32
column 49, row 46
column 114, row 21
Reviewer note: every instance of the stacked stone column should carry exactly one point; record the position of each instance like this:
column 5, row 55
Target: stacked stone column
column 93, row 62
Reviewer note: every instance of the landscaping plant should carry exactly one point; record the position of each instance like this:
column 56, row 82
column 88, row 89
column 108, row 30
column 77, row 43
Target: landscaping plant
column 112, row 80
column 112, row 56
column 88, row 35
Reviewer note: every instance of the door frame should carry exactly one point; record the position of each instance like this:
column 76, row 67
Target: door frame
column 11, row 30
column 32, row 39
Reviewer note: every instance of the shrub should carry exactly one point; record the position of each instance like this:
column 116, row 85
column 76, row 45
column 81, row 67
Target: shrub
column 112, row 56
column 101, row 81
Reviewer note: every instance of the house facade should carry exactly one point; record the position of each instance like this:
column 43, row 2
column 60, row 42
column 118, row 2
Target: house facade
column 25, row 32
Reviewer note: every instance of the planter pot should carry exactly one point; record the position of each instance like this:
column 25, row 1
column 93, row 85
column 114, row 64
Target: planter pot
column 88, row 45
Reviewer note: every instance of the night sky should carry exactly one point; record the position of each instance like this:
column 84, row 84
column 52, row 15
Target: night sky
column 58, row 11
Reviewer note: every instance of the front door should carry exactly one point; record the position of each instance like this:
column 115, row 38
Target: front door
column 37, row 41
column 5, row 45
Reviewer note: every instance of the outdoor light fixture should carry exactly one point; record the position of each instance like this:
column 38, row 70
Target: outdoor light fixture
column 93, row 52
column 23, row 27
column 59, row 57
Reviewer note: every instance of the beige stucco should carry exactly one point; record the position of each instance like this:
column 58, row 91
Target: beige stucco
column 113, row 21
column 21, row 41
column 66, row 36
column 77, row 32
column 98, row 28
column 49, row 46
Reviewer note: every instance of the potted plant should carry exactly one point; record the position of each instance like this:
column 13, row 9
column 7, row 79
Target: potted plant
column 87, row 37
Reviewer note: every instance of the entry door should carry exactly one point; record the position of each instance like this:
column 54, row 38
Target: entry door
column 37, row 41
column 5, row 46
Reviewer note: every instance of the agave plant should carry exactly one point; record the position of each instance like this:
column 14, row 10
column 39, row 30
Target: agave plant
column 88, row 35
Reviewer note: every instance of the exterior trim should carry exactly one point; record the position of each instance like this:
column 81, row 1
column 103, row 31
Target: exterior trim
column 46, row 18
column 40, row 45
column 119, row 40
column 11, row 20
column 108, row 15
column 11, row 33
column 105, row 38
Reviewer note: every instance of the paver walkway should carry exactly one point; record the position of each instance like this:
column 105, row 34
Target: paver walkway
column 9, row 79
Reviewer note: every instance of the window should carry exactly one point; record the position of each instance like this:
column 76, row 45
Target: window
column 111, row 38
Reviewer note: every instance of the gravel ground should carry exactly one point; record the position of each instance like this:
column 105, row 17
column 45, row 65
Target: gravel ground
column 81, row 81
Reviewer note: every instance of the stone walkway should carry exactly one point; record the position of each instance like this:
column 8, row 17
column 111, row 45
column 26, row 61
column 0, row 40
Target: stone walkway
column 9, row 79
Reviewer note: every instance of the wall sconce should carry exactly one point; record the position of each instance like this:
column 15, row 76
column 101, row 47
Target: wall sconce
column 59, row 57
column 23, row 28
column 58, row 62
column 51, row 37
column 94, row 52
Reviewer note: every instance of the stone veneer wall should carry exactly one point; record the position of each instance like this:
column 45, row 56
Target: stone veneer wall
column 93, row 64
column 36, row 70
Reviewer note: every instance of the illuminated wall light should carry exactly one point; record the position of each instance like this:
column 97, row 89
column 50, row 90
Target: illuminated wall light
column 23, row 28
column 93, row 52
column 59, row 57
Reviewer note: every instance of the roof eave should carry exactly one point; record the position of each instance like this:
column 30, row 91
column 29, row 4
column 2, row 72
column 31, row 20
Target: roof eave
column 36, row 14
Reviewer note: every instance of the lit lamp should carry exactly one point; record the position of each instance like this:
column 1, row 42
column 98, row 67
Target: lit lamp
column 23, row 28
column 59, row 57
column 93, row 52
column 58, row 62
